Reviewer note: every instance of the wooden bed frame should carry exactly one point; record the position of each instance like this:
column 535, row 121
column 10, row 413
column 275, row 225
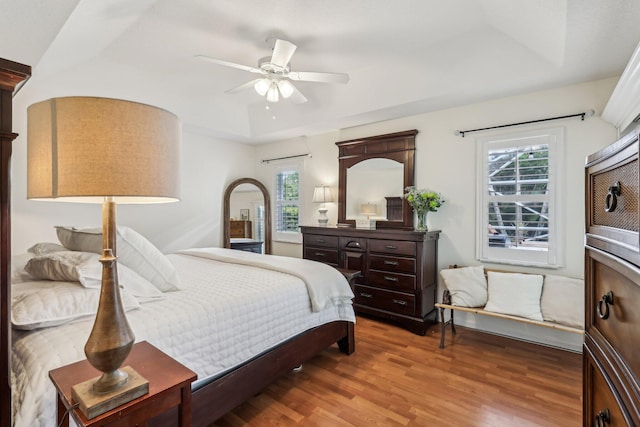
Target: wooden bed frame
column 210, row 401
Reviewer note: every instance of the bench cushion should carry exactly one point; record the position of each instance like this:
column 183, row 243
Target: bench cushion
column 563, row 300
column 515, row 294
column 466, row 285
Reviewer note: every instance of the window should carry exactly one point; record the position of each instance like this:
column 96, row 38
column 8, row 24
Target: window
column 518, row 209
column 288, row 187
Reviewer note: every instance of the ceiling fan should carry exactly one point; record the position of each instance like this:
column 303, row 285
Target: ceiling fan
column 276, row 74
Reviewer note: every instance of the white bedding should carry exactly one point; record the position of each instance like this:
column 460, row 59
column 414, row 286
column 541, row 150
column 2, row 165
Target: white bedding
column 226, row 314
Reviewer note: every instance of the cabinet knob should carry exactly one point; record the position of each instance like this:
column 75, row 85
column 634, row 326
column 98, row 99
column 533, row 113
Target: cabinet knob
column 400, row 302
column 611, row 200
column 603, row 305
column 602, row 418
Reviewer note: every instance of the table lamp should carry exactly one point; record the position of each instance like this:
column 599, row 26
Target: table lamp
column 322, row 194
column 367, row 209
column 100, row 150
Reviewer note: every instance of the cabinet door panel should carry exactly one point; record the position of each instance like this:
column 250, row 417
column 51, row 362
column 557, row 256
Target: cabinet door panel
column 396, row 302
column 327, row 256
column 613, row 289
column 393, row 264
column 393, row 281
column 395, row 247
column 602, row 405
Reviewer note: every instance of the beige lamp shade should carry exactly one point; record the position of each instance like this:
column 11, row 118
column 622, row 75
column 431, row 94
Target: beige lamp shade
column 368, row 209
column 82, row 149
column 322, row 194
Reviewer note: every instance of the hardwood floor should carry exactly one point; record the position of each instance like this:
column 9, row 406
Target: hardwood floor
column 396, row 378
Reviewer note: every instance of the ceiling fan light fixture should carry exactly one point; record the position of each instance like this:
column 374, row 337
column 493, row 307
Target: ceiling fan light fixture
column 272, row 94
column 262, row 86
column 286, row 88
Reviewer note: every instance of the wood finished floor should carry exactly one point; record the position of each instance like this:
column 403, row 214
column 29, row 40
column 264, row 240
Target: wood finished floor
column 396, row 378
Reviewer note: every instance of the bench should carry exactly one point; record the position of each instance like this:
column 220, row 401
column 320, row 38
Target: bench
column 446, row 304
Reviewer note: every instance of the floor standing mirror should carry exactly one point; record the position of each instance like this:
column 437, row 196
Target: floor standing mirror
column 247, row 216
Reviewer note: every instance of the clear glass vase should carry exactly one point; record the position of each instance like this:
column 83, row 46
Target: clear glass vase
column 422, row 221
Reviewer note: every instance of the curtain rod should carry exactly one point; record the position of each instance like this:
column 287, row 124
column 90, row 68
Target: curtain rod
column 587, row 113
column 287, row 157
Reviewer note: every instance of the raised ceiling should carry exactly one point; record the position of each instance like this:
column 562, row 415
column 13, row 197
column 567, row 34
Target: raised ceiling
column 404, row 57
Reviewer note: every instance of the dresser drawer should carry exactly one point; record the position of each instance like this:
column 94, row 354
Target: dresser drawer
column 327, row 256
column 396, row 302
column 395, row 281
column 318, row 240
column 392, row 247
column 393, row 264
column 613, row 209
column 602, row 404
column 613, row 292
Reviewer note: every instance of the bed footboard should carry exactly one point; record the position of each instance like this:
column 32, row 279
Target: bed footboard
column 215, row 399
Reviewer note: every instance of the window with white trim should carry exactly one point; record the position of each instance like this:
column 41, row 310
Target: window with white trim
column 518, row 208
column 287, row 209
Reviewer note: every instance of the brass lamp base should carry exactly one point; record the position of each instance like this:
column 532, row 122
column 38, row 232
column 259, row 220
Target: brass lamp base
column 93, row 404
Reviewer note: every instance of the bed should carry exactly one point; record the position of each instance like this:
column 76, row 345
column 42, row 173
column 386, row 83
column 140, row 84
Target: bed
column 215, row 311
column 228, row 374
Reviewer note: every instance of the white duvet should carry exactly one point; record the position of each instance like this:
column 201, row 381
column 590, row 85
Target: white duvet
column 226, row 314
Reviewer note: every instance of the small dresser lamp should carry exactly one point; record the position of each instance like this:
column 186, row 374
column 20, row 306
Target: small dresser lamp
column 100, row 150
column 367, row 209
column 322, row 194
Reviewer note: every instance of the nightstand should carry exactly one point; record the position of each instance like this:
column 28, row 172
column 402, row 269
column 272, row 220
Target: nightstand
column 169, row 387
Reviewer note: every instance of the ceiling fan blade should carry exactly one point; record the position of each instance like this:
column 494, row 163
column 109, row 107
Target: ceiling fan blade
column 282, row 53
column 297, row 97
column 243, row 86
column 231, row 64
column 312, row 76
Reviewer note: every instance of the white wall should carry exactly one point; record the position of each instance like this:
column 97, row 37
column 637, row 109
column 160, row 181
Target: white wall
column 447, row 163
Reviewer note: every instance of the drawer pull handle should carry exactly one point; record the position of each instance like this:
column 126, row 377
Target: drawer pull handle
column 400, row 302
column 390, row 247
column 362, row 294
column 391, row 279
column 320, row 240
column 353, row 244
column 603, row 305
column 320, row 254
column 602, row 418
column 611, row 201
column 390, row 262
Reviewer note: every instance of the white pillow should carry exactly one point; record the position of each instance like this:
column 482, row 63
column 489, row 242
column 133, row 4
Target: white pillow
column 85, row 267
column 467, row 286
column 43, row 304
column 45, row 248
column 563, row 300
column 133, row 250
column 516, row 294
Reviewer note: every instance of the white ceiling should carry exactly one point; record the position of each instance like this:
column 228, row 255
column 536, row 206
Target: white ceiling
column 404, row 57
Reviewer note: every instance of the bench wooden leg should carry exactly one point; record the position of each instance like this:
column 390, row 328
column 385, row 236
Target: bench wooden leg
column 443, row 325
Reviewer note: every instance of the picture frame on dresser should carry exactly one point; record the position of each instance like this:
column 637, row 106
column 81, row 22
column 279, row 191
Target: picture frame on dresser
column 244, row 214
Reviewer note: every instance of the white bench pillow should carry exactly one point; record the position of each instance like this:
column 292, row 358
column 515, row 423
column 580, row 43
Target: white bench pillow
column 466, row 285
column 515, row 294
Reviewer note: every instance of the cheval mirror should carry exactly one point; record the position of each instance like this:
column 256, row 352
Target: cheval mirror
column 247, row 216
column 373, row 175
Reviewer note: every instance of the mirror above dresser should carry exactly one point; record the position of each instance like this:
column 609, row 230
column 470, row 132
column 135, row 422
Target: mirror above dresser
column 374, row 171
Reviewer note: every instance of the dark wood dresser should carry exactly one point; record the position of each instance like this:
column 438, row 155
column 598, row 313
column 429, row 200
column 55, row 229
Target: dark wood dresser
column 240, row 229
column 399, row 270
column 612, row 282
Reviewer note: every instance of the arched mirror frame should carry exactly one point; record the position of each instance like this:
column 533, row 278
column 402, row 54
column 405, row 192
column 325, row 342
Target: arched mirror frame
column 267, row 212
column 399, row 146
